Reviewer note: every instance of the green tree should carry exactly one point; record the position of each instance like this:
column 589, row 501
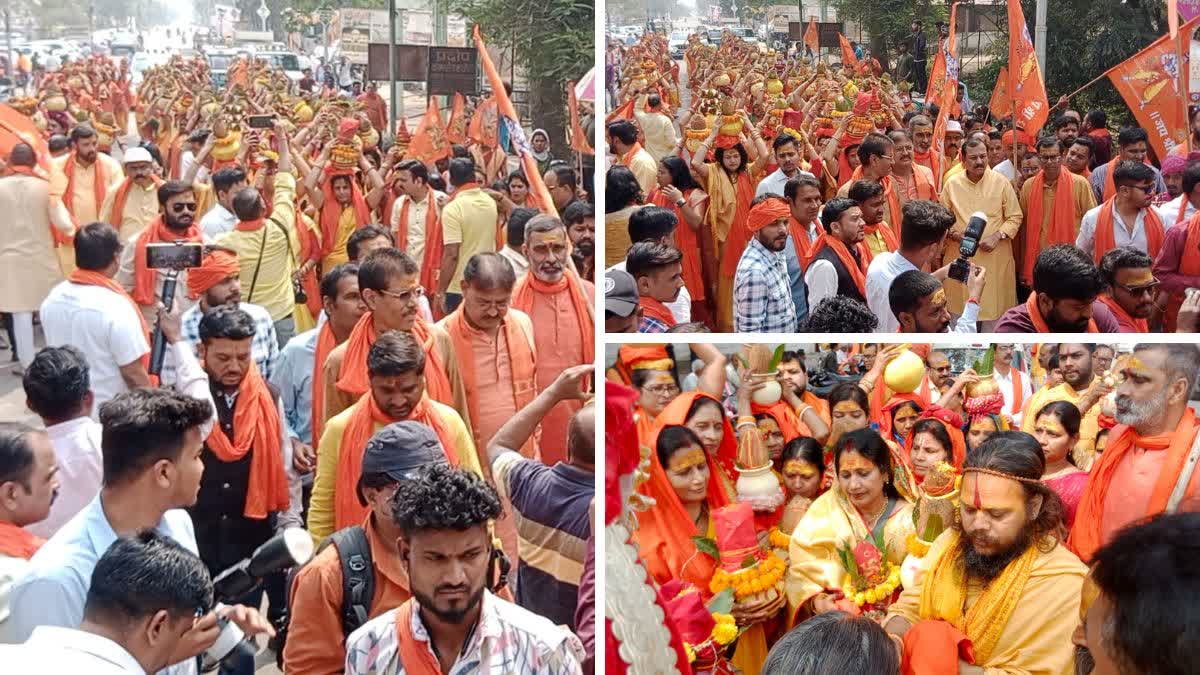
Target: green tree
column 889, row 22
column 551, row 41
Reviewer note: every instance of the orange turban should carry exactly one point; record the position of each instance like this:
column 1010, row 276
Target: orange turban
column 1019, row 136
column 218, row 266
column 767, row 212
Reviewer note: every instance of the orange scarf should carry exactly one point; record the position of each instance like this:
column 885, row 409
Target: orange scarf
column 923, row 186
column 256, row 427
column 889, row 238
column 857, row 273
column 1064, row 222
column 1189, row 264
column 331, row 211
column 800, row 240
column 155, row 233
column 895, row 214
column 925, row 159
column 1110, row 187
column 655, row 309
column 1127, row 322
column 820, row 405
column 520, row 360
column 739, row 233
column 99, row 185
column 360, row 427
column 627, row 157
column 416, row 655
column 529, row 285
column 1039, row 323
column 354, row 379
column 326, row 342
column 785, row 417
column 431, row 260
column 118, row 205
column 687, row 241
column 93, row 278
column 1085, row 535
column 1018, row 391
column 1106, row 237
column 17, row 542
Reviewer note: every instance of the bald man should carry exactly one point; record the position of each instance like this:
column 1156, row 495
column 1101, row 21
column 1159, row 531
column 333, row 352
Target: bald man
column 938, row 369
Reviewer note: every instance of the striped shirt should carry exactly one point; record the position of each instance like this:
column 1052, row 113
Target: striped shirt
column 550, row 510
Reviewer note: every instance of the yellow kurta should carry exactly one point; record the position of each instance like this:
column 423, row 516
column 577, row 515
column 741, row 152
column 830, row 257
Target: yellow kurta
column 658, row 129
column 830, row 522
column 320, row 510
column 1084, row 198
column 346, row 226
column 82, row 199
column 995, row 197
column 141, row 208
column 876, row 243
column 1089, row 427
column 1037, row 637
column 273, row 289
column 645, row 169
column 29, row 268
column 616, row 235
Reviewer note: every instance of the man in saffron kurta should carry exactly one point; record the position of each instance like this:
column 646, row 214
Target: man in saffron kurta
column 1019, row 617
column 1052, row 203
column 560, row 305
column 89, row 175
column 388, row 281
column 1140, row 472
column 397, row 392
column 623, row 143
column 131, row 205
column 979, row 188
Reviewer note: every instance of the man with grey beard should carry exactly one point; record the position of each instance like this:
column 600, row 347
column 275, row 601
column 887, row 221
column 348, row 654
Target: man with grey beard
column 1001, row 576
column 1148, row 464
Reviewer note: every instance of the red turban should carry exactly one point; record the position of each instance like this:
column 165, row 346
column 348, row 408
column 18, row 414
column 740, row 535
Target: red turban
column 218, row 266
column 767, row 212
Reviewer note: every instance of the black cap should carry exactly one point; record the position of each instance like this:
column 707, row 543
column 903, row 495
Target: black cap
column 400, row 450
column 620, row 293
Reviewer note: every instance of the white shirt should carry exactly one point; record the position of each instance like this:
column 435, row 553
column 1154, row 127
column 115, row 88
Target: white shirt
column 514, row 258
column 80, row 471
column 1168, row 212
column 53, row 650
column 416, row 223
column 822, row 282
column 1005, row 382
column 1121, row 236
column 681, row 307
column 218, row 220
column 186, row 161
column 100, row 323
column 775, row 183
column 1006, row 169
column 882, row 271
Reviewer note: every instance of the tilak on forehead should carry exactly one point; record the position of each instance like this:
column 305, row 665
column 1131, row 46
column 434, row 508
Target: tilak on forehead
column 799, row 467
column 852, row 461
column 686, row 460
column 659, row 377
column 1144, row 278
column 939, row 296
column 988, row 489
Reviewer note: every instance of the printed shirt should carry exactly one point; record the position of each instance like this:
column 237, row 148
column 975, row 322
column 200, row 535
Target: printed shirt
column 762, row 294
column 264, row 347
column 507, row 640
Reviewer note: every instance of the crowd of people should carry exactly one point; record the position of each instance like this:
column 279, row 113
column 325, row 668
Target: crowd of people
column 304, row 326
column 875, row 509
column 753, row 191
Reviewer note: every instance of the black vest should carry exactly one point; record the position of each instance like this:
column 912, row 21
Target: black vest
column 846, row 285
column 223, row 534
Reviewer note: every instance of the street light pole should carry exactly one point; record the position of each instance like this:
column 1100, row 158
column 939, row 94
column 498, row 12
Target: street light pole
column 1039, row 33
column 393, row 109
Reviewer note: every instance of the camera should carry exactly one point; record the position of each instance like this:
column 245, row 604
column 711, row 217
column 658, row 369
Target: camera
column 289, row 548
column 960, row 269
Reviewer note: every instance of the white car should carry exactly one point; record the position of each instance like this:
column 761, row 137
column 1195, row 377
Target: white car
column 677, row 43
column 286, row 61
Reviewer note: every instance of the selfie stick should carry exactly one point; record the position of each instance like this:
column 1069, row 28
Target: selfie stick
column 158, row 344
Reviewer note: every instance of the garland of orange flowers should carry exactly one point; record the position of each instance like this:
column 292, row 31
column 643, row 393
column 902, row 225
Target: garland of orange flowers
column 876, row 593
column 750, row 581
column 779, row 539
column 915, row 546
column 724, row 632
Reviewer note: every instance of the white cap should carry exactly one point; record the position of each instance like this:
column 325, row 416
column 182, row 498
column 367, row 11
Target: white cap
column 951, row 125
column 137, row 155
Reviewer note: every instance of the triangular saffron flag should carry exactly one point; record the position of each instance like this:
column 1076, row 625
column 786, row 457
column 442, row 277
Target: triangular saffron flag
column 848, row 57
column 579, row 140
column 485, row 124
column 456, row 128
column 1026, row 89
column 429, row 143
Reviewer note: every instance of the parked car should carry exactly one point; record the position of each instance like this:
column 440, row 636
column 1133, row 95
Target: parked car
column 677, row 44
column 286, row 61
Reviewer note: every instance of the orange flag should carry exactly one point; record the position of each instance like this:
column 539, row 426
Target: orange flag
column 811, row 37
column 937, row 77
column 456, row 128
column 484, row 128
column 946, row 97
column 1028, row 92
column 1000, row 103
column 1149, row 83
column 430, row 144
column 579, row 140
column 848, row 57
column 17, row 128
column 625, row 112
column 508, row 116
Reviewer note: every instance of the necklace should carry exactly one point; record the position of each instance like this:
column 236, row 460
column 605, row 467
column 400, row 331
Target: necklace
column 874, row 517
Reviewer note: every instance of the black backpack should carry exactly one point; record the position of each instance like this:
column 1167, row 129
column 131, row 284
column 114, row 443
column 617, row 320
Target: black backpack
column 358, row 584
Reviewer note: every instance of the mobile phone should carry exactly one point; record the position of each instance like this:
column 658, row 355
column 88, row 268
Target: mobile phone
column 177, row 256
column 260, row 121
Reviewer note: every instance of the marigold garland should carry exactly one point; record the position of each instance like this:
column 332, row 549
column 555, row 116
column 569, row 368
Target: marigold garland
column 876, row 593
column 750, row 581
column 779, row 539
column 915, row 546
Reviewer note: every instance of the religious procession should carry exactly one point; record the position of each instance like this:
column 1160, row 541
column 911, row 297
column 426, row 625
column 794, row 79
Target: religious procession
column 769, row 174
column 874, row 509
column 299, row 383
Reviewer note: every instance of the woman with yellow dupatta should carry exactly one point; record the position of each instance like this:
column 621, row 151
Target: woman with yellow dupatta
column 870, row 498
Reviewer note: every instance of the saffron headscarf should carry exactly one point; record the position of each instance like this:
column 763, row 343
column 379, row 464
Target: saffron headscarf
column 218, row 266
column 766, row 212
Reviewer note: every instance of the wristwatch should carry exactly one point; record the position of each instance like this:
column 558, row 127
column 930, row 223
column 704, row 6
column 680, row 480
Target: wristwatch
column 680, row 202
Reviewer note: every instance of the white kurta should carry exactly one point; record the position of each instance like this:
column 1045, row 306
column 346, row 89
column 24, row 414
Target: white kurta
column 29, row 266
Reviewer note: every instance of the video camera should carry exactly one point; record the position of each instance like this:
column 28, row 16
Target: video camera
column 173, row 257
column 960, row 269
column 289, row 548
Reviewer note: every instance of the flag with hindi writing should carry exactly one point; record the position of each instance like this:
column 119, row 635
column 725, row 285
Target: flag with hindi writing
column 946, row 97
column 429, row 143
column 1149, row 83
column 811, row 37
column 579, row 139
column 937, row 77
column 848, row 57
column 516, row 135
column 1026, row 89
column 456, row 128
column 485, row 124
column 1000, row 104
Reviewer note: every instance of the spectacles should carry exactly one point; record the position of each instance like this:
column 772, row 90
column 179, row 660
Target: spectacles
column 1140, row 289
column 1050, row 160
column 406, row 297
column 183, row 206
column 662, row 389
column 1147, row 189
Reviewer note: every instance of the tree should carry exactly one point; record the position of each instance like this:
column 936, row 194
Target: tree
column 551, row 41
column 889, row 22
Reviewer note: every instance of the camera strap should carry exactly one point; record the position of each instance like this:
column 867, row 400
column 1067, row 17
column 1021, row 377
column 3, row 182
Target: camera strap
column 262, row 246
column 358, row 576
